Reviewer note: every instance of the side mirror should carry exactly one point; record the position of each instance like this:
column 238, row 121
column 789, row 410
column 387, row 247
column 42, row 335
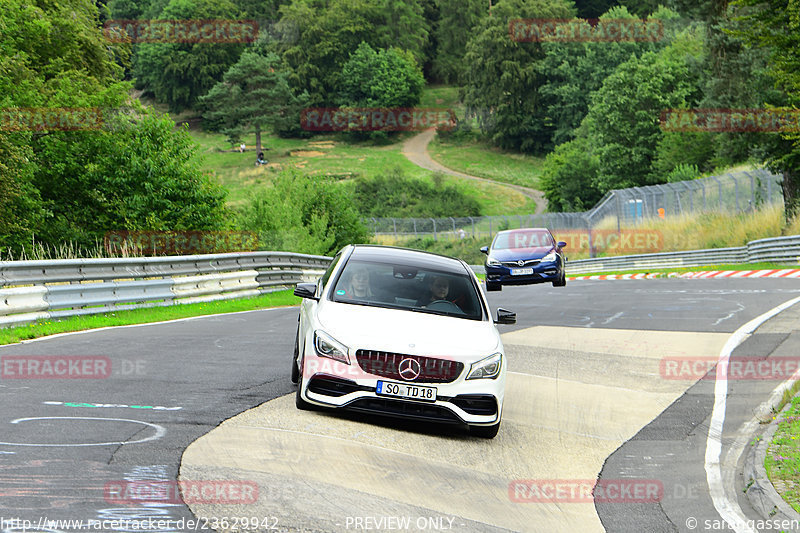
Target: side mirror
column 306, row 290
column 485, row 249
column 504, row 316
column 561, row 244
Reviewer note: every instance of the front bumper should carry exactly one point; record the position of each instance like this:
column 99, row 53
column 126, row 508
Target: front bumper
column 462, row 402
column 542, row 273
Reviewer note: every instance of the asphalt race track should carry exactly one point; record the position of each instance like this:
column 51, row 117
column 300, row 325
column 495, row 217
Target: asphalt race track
column 588, row 396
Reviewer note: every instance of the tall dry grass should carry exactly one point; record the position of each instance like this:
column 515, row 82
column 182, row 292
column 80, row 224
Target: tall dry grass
column 713, row 229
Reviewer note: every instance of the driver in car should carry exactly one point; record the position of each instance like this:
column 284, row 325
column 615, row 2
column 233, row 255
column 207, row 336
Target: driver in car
column 439, row 287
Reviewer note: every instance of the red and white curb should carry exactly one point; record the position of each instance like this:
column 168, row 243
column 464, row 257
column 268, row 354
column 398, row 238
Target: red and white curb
column 785, row 273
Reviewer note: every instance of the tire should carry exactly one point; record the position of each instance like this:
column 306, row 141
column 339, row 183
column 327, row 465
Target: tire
column 485, row 432
column 296, row 371
column 492, row 286
column 562, row 281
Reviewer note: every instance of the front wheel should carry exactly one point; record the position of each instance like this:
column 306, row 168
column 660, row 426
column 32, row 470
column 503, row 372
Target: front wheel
column 562, row 281
column 485, row 432
column 295, row 371
column 493, row 286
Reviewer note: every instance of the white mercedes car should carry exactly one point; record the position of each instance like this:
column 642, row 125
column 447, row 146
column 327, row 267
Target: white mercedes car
column 402, row 333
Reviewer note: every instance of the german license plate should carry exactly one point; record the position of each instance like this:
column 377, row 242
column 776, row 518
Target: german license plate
column 404, row 390
column 521, row 271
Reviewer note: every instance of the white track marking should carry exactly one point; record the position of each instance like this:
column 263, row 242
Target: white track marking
column 160, row 431
column 727, row 506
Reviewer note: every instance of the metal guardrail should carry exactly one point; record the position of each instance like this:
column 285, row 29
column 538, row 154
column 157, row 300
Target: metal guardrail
column 37, row 290
column 784, row 250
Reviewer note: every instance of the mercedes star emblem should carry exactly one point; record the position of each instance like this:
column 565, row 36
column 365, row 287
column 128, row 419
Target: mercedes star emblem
column 409, row 369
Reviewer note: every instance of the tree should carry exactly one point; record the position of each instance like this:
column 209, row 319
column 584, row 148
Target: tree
column 774, row 25
column 20, row 205
column 404, row 27
column 623, row 122
column 326, row 36
column 504, row 77
column 574, row 70
column 457, row 19
column 383, row 78
column 327, row 33
column 137, row 173
column 593, row 8
column 253, row 95
column 569, row 175
column 179, row 73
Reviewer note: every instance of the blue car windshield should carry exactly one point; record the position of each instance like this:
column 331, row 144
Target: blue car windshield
column 413, row 288
column 522, row 239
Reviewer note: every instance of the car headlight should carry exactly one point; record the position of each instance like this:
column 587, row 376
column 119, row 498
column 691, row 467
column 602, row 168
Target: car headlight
column 327, row 346
column 549, row 258
column 486, row 368
column 492, row 262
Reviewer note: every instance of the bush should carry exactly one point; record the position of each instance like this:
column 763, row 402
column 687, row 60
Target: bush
column 394, row 195
column 303, row 214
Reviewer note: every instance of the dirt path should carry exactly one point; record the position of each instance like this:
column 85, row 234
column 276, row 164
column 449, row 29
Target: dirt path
column 416, row 150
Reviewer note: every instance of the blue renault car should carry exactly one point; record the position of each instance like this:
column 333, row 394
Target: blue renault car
column 523, row 257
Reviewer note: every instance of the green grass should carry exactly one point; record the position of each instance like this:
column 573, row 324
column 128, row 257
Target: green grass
column 330, row 155
column 142, row 316
column 440, row 96
column 478, row 158
column 783, row 455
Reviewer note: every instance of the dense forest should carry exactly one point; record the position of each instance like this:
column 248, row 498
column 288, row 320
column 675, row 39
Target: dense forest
column 592, row 108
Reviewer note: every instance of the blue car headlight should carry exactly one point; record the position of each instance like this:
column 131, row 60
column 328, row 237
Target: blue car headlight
column 550, row 258
column 492, row 262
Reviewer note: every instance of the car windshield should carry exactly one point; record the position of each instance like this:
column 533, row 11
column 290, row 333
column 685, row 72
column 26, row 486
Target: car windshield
column 522, row 239
column 414, row 288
